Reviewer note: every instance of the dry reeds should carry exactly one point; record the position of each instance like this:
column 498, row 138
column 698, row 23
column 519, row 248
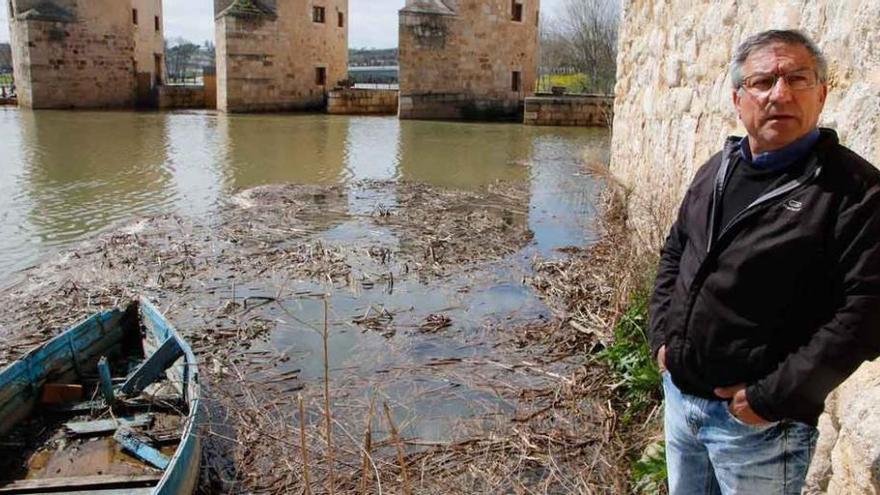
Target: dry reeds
column 546, row 422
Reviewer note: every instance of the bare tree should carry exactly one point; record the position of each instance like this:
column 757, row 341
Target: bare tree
column 5, row 57
column 179, row 53
column 584, row 38
column 554, row 53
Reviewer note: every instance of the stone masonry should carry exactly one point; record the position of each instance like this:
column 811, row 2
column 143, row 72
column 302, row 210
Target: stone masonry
column 673, row 110
column 280, row 54
column 581, row 111
column 149, row 48
column 78, row 53
column 353, row 101
column 471, row 59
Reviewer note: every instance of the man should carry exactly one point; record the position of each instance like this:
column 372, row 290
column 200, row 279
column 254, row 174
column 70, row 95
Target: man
column 768, row 290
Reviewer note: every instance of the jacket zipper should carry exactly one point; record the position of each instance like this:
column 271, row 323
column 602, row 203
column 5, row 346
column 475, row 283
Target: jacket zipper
column 717, row 191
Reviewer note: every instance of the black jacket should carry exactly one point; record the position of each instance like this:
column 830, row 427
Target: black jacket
column 786, row 298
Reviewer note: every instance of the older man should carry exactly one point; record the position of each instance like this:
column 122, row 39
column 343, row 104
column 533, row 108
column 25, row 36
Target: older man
column 768, row 291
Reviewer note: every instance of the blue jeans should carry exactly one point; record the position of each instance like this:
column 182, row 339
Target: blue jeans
column 709, row 451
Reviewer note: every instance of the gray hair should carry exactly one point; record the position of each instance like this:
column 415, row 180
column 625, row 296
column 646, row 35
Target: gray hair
column 765, row 38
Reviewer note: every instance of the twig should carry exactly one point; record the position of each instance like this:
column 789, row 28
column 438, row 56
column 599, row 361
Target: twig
column 368, row 447
column 305, row 452
column 331, row 481
column 395, row 436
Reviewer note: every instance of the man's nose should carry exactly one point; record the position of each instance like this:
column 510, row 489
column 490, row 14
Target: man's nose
column 780, row 92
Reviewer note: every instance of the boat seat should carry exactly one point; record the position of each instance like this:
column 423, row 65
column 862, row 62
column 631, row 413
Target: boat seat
column 102, row 484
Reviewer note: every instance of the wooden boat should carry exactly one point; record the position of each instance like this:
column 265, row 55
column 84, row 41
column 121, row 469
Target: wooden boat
column 110, row 406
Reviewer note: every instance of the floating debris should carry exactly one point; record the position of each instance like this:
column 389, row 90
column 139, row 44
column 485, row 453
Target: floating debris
column 435, row 322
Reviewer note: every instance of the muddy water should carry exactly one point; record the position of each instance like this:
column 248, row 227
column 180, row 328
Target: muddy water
column 67, row 176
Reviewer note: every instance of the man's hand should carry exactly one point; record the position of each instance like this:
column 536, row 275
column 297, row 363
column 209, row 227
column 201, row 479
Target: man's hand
column 661, row 358
column 739, row 404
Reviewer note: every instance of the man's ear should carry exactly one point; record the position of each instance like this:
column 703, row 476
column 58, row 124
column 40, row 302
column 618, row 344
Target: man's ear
column 736, row 99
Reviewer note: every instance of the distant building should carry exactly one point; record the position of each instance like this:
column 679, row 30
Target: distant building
column 5, row 58
column 86, row 53
column 471, row 59
column 374, row 75
column 275, row 55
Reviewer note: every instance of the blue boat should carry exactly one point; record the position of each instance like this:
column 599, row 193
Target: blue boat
column 110, row 406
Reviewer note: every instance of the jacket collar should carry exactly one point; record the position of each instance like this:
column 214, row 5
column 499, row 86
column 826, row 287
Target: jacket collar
column 827, row 140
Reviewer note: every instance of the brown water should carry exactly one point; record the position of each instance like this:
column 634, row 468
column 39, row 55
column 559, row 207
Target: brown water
column 64, row 176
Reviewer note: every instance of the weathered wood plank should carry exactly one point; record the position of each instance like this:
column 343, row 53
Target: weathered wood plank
column 78, row 408
column 109, row 491
column 95, row 427
column 138, row 448
column 105, row 381
column 81, row 483
column 61, row 393
column 171, row 403
column 152, row 368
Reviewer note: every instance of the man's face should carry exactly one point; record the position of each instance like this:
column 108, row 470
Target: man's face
column 781, row 114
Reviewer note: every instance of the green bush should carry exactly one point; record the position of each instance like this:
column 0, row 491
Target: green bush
column 649, row 472
column 630, row 360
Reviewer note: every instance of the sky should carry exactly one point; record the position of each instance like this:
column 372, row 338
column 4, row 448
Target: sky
column 373, row 22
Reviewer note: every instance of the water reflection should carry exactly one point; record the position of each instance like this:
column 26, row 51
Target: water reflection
column 193, row 145
column 66, row 175
column 561, row 208
column 269, row 149
column 85, row 171
column 463, row 155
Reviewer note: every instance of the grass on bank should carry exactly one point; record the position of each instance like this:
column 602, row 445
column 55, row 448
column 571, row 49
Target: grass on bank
column 630, row 360
column 6, row 79
column 629, row 264
column 638, row 385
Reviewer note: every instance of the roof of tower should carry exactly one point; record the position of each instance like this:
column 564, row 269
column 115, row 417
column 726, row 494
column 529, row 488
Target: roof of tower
column 47, row 11
column 428, row 7
column 247, row 8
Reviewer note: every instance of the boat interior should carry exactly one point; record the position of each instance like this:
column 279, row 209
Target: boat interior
column 102, row 408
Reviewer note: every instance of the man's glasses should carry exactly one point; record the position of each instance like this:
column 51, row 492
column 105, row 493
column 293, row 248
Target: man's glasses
column 761, row 84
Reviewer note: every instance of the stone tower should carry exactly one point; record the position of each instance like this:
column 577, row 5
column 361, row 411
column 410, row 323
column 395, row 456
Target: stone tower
column 85, row 53
column 471, row 59
column 275, row 55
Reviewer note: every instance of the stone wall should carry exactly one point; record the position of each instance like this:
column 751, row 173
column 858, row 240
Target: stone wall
column 672, row 111
column 269, row 54
column 458, row 57
column 74, row 54
column 210, row 80
column 584, row 111
column 149, row 41
column 171, row 97
column 85, row 53
column 363, row 101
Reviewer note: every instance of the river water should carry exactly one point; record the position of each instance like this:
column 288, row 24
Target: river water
column 66, row 177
